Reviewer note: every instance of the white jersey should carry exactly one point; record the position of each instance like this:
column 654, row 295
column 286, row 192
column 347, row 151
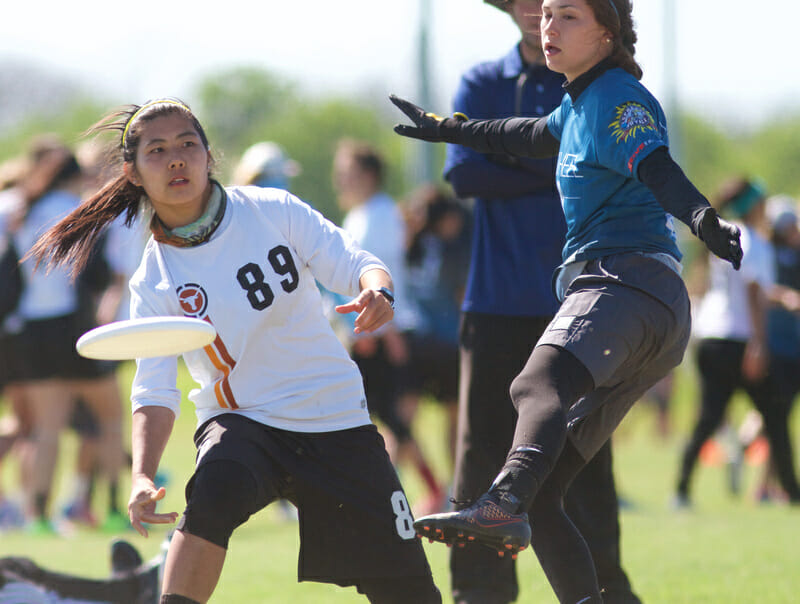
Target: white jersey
column 378, row 227
column 276, row 358
column 123, row 253
column 47, row 292
column 724, row 311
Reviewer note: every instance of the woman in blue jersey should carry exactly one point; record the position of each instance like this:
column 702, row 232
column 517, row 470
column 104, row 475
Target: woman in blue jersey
column 280, row 405
column 624, row 319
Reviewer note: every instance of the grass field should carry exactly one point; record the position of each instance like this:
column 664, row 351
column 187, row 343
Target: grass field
column 725, row 550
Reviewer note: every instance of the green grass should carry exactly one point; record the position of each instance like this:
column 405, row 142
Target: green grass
column 726, row 550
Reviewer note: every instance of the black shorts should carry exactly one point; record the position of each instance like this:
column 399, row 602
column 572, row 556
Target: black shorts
column 355, row 522
column 627, row 319
column 432, row 368
column 83, row 420
column 46, row 349
column 383, row 388
column 7, row 359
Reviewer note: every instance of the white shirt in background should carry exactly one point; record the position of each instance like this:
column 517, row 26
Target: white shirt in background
column 723, row 312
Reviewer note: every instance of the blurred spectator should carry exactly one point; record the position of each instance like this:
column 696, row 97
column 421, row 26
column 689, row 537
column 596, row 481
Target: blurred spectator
column 437, row 259
column 730, row 325
column 783, row 341
column 119, row 253
column 374, row 220
column 265, row 164
column 15, row 425
column 53, row 313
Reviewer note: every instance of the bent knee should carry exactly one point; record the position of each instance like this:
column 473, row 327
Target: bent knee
column 221, row 497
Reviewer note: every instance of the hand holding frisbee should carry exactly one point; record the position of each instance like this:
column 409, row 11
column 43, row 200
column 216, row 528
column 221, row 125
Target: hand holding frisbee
column 145, row 337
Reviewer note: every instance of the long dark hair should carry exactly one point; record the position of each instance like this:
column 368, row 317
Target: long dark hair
column 51, row 165
column 72, row 239
column 617, row 17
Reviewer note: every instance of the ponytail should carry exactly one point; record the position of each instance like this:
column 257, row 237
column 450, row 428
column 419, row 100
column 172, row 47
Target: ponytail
column 72, row 239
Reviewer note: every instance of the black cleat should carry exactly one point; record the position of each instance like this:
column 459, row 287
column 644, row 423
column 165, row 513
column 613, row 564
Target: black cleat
column 485, row 521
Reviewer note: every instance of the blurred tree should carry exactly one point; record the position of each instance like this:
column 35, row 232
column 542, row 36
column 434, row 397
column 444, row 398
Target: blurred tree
column 775, row 155
column 243, row 106
column 232, row 103
column 770, row 153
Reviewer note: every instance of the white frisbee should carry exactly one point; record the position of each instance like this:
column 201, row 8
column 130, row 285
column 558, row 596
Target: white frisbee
column 145, row 337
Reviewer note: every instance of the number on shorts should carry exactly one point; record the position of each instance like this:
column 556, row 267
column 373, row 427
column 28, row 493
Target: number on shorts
column 402, row 515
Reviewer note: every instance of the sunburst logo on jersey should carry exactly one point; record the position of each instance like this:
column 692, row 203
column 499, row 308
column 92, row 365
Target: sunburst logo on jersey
column 193, row 300
column 631, row 119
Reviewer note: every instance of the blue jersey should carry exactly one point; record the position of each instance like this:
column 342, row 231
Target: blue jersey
column 518, row 227
column 604, row 132
column 783, row 326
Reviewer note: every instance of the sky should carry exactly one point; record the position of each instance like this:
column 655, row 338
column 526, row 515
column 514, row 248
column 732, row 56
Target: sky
column 734, row 65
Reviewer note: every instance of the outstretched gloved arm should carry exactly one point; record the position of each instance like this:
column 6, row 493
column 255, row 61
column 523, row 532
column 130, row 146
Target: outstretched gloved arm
column 519, row 136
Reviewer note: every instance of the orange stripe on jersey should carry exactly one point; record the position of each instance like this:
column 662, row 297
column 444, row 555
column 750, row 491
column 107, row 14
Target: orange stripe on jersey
column 212, row 354
column 223, row 351
column 222, row 360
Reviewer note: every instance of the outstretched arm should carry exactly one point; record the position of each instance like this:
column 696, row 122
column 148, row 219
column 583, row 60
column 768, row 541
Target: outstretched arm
column 517, row 136
column 678, row 196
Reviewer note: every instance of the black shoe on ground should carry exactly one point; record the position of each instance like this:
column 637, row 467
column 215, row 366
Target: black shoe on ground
column 485, row 521
column 124, row 557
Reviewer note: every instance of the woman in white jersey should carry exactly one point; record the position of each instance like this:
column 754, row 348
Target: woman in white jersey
column 280, row 405
column 732, row 346
column 53, row 311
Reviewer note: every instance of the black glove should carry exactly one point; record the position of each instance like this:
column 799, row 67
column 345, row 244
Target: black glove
column 721, row 237
column 428, row 126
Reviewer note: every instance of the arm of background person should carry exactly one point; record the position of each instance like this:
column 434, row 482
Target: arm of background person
column 755, row 361
column 489, row 180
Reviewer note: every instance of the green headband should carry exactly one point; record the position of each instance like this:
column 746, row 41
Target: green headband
column 749, row 198
column 145, row 106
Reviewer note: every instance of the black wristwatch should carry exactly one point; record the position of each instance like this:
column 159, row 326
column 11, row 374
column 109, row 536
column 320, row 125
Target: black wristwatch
column 388, row 294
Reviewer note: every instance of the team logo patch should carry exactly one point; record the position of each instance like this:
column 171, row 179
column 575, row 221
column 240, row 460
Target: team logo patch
column 631, row 119
column 193, row 300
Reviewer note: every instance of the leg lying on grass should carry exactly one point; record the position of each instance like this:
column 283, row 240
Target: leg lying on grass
column 132, row 581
